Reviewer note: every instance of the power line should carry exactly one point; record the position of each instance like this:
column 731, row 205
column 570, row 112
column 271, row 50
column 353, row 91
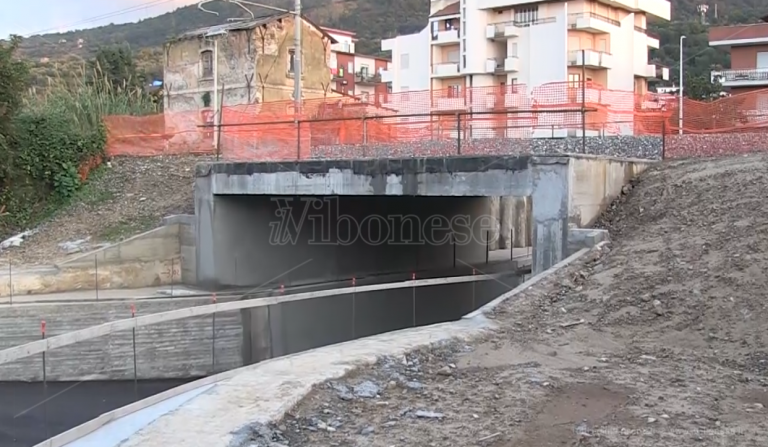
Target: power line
column 105, row 16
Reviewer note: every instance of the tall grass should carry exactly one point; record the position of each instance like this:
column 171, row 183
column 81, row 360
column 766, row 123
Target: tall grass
column 87, row 97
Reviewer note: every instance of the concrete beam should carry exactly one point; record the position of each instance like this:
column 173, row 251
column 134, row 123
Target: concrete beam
column 550, row 197
column 439, row 176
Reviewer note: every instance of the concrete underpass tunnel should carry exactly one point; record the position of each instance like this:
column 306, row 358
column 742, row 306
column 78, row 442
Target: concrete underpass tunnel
column 309, row 239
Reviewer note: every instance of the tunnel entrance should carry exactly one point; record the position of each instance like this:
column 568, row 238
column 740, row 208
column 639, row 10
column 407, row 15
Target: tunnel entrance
column 304, row 239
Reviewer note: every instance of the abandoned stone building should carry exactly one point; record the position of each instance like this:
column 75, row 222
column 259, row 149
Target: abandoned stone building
column 249, row 61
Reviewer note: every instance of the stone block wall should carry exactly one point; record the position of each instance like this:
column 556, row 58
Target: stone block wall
column 176, row 349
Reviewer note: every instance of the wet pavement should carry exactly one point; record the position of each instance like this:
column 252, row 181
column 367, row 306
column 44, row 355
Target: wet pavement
column 27, row 418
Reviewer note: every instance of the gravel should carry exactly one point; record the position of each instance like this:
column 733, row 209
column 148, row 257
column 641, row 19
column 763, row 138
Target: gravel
column 129, row 195
column 657, row 339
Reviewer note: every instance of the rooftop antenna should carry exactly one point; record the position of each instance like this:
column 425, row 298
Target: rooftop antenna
column 703, row 11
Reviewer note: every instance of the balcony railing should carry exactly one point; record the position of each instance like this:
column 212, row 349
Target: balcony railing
column 572, row 18
column 754, row 75
column 363, row 77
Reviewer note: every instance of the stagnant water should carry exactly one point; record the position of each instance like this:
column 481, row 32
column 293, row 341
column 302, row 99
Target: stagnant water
column 27, row 418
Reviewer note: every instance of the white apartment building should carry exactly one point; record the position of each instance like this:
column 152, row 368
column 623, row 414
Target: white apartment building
column 410, row 66
column 478, row 43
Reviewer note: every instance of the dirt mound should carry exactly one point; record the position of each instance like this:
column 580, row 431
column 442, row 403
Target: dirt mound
column 657, row 339
column 687, row 271
column 125, row 197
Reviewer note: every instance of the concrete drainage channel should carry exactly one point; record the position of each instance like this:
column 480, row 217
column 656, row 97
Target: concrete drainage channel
column 205, row 340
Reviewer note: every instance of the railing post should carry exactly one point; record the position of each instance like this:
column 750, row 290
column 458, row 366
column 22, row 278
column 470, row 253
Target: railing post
column 458, row 133
column 413, row 278
column 583, row 101
column 298, row 139
column 663, row 138
column 135, row 363
column 10, row 279
column 45, row 382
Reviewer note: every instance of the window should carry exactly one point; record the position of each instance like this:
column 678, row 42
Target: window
column 292, row 61
column 449, row 24
column 513, row 53
column 404, row 61
column 762, row 60
column 435, row 27
column 363, row 70
column 454, row 91
column 464, row 61
column 602, row 45
column 206, row 60
column 527, row 15
column 573, row 80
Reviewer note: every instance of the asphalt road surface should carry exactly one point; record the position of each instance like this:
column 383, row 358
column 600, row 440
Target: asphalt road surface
column 26, row 420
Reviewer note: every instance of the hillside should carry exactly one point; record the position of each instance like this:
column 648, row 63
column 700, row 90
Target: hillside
column 372, row 20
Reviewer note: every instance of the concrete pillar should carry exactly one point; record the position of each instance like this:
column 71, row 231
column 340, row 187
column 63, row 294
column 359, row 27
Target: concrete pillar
column 550, row 211
column 493, row 234
column 522, row 214
column 204, row 212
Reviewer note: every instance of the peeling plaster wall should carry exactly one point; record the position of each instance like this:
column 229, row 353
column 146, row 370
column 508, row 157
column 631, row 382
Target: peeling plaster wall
column 252, row 66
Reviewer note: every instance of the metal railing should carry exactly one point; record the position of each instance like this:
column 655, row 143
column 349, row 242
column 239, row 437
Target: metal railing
column 757, row 74
column 577, row 15
column 364, row 77
column 498, row 28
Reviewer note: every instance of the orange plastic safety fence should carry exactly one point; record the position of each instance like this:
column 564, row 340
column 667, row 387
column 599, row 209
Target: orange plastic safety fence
column 433, row 120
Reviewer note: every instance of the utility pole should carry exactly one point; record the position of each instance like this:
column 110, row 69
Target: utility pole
column 297, row 24
column 680, row 107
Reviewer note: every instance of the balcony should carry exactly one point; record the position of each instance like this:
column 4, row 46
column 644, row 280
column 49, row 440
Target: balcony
column 592, row 23
column 446, row 69
column 658, row 8
column 590, row 59
column 512, row 64
column 651, row 40
column 503, row 30
column 447, row 37
column 646, row 71
column 493, row 66
column 757, row 77
column 365, row 78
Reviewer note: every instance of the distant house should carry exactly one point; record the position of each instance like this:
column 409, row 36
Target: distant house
column 748, row 45
column 253, row 61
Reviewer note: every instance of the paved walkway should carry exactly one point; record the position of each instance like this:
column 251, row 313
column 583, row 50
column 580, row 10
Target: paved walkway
column 264, row 392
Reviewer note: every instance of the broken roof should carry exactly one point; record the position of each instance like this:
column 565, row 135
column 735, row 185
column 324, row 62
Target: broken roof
column 245, row 25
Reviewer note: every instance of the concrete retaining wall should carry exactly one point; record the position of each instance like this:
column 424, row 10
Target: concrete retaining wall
column 184, row 347
column 176, row 349
column 297, row 326
column 163, row 256
column 596, row 182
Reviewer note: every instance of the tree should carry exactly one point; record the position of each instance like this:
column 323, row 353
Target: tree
column 116, row 66
column 14, row 80
column 701, row 88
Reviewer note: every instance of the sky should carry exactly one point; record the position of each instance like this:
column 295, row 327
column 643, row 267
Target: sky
column 26, row 17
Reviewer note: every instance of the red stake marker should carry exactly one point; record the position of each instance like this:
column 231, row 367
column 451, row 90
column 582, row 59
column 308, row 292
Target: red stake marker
column 353, row 281
column 282, row 288
column 133, row 310
column 413, row 276
column 213, row 298
column 42, row 327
